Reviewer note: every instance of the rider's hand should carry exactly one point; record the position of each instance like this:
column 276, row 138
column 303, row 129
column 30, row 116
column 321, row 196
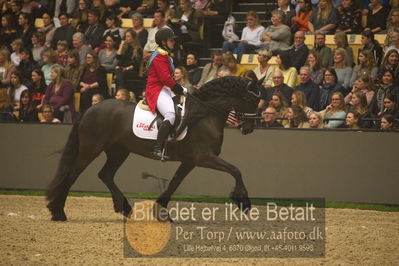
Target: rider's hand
column 178, row 89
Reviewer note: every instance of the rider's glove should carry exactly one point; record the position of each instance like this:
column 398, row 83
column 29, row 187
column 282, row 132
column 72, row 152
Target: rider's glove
column 178, row 89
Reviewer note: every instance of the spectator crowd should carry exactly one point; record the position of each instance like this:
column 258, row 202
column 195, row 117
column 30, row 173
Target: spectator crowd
column 46, row 71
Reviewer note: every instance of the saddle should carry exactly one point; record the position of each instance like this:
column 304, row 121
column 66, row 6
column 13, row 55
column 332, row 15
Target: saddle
column 148, row 123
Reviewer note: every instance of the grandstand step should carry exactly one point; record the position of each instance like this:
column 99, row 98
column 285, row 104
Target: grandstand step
column 245, row 7
column 239, row 15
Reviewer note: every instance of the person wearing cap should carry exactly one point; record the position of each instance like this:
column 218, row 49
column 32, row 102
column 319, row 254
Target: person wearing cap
column 161, row 87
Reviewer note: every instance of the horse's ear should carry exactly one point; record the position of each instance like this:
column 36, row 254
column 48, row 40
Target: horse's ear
column 260, row 82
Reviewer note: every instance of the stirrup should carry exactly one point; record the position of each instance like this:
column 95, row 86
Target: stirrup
column 159, row 154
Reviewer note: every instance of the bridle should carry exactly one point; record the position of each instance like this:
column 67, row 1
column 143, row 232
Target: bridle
column 243, row 116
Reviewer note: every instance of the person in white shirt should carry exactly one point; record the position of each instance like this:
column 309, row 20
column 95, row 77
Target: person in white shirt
column 250, row 38
column 151, row 45
column 16, row 88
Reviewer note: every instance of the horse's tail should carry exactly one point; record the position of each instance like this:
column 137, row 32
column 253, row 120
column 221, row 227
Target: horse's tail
column 65, row 166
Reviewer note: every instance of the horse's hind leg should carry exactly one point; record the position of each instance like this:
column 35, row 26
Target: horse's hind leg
column 115, row 158
column 240, row 194
column 60, row 190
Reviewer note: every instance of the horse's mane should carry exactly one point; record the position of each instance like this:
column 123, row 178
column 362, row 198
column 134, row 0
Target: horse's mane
column 214, row 95
column 222, row 87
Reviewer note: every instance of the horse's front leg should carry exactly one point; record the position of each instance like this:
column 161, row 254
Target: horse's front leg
column 183, row 170
column 240, row 194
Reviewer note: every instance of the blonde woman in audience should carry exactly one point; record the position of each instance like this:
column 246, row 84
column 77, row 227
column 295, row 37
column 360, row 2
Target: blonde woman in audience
column 394, row 42
column 264, row 70
column 16, row 47
column 298, row 98
column 96, row 98
column 50, row 61
column 231, row 64
column 129, row 55
column 324, row 18
column 364, row 84
column 314, row 64
column 344, row 72
column 392, row 25
column 315, row 120
column 181, row 77
column 341, row 40
column 59, row 93
column 250, row 38
column 210, row 70
column 335, row 110
column 366, row 66
column 123, row 95
column 6, row 68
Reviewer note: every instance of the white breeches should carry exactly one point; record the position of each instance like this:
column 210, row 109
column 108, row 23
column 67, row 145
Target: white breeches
column 165, row 104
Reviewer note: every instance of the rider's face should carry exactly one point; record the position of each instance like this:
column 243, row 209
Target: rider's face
column 170, row 43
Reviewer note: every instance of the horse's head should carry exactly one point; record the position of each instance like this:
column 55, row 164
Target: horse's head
column 251, row 101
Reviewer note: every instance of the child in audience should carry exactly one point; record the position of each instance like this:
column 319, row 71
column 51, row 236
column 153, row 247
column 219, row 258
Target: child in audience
column 123, row 95
column 48, row 115
column 96, row 98
column 62, row 53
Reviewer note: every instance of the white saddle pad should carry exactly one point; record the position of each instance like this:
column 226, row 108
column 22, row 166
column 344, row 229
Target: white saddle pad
column 141, row 124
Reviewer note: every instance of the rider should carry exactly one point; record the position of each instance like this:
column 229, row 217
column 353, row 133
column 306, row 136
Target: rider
column 159, row 86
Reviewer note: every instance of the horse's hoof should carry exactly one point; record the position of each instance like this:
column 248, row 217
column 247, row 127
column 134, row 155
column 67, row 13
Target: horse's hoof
column 127, row 209
column 243, row 203
column 58, row 216
column 246, row 205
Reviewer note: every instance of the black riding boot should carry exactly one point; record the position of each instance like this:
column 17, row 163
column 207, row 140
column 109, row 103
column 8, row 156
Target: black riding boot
column 163, row 134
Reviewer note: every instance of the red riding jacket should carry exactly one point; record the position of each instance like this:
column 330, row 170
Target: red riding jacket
column 159, row 75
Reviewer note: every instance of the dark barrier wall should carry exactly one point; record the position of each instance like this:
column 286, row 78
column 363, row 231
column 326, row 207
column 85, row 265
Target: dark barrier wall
column 340, row 166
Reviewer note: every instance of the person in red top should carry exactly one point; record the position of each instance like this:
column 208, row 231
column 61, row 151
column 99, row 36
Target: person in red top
column 159, row 87
column 301, row 20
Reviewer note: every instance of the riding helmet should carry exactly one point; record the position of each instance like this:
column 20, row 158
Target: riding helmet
column 163, row 35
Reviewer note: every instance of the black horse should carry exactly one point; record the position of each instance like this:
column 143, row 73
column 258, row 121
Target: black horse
column 107, row 127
